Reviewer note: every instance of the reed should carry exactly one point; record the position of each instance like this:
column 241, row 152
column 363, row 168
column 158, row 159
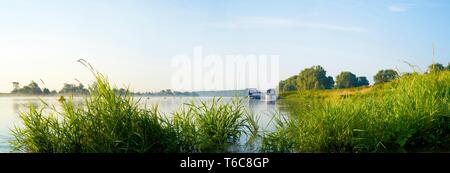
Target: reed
column 410, row 114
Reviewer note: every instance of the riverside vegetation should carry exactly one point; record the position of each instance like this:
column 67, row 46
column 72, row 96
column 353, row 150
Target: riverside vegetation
column 410, row 113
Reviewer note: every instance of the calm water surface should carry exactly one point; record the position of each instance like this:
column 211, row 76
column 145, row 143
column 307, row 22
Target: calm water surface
column 10, row 108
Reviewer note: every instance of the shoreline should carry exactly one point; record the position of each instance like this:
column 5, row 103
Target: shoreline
column 65, row 95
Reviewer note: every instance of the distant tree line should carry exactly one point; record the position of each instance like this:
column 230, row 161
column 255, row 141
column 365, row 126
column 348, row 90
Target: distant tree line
column 312, row 78
column 436, row 67
column 315, row 78
column 34, row 89
column 74, row 89
column 169, row 92
column 166, row 92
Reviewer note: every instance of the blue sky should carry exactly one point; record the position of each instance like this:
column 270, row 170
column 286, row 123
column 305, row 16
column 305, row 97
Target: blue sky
column 133, row 41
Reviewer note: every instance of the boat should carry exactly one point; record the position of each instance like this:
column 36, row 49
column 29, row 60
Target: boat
column 269, row 96
column 254, row 94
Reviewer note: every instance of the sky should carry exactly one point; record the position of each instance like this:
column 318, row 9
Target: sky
column 134, row 42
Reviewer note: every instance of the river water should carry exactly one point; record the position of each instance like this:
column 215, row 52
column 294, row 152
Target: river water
column 11, row 107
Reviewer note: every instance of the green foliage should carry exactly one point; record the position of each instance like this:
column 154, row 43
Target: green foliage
column 346, row 80
column 46, row 91
column 362, row 81
column 166, row 92
column 120, row 91
column 185, row 94
column 289, row 84
column 308, row 79
column 213, row 127
column 385, row 76
column 32, row 88
column 411, row 114
column 436, row 67
column 169, row 92
column 314, row 78
column 349, row 80
column 74, row 89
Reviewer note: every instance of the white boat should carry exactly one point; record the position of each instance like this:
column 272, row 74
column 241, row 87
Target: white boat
column 254, row 94
column 269, row 96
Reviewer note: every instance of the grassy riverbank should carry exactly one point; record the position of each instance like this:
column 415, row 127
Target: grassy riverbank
column 409, row 114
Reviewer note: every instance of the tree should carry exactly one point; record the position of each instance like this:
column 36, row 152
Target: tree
column 289, row 84
column 16, row 86
column 32, row 88
column 35, row 89
column 46, row 91
column 349, row 80
column 68, row 88
column 346, row 80
column 448, row 66
column 167, row 92
column 314, row 78
column 120, row 91
column 74, row 89
column 436, row 67
column 362, row 81
column 385, row 76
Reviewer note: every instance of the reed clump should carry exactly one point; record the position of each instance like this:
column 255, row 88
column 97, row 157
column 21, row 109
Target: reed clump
column 110, row 122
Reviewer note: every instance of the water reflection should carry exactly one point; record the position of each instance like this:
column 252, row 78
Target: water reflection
column 21, row 105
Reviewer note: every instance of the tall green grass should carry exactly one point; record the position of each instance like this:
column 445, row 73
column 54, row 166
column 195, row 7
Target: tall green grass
column 214, row 127
column 410, row 114
column 106, row 123
column 109, row 122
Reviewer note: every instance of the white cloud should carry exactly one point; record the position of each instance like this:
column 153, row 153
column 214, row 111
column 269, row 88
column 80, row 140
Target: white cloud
column 398, row 8
column 265, row 22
